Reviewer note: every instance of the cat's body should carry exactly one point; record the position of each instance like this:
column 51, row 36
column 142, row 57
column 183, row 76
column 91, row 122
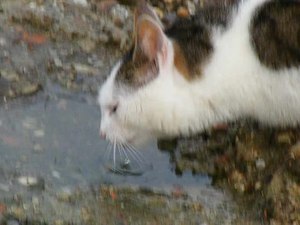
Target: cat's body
column 219, row 66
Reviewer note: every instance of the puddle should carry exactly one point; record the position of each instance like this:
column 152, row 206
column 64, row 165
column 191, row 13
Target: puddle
column 55, row 139
column 60, row 136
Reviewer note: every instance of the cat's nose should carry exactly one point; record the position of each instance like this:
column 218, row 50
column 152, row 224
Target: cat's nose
column 102, row 134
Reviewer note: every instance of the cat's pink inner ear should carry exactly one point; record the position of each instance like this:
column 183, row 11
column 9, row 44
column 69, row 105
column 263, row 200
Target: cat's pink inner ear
column 150, row 38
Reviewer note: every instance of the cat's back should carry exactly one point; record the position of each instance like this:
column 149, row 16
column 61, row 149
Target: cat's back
column 267, row 31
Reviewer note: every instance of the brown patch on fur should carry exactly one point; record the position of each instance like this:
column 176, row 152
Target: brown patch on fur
column 180, row 62
column 138, row 72
column 275, row 33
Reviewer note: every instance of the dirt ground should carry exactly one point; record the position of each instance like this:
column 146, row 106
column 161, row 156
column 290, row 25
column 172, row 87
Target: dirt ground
column 61, row 49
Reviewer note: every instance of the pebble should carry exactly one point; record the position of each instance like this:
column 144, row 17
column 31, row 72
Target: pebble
column 32, row 182
column 3, row 42
column 37, row 148
column 28, row 181
column 80, row 2
column 183, row 12
column 56, row 59
column 30, row 89
column 55, row 174
column 260, row 164
column 238, row 180
column 39, row 133
column 9, row 75
column 284, row 138
column 85, row 69
column 295, row 151
column 65, row 195
column 87, row 45
column 4, row 187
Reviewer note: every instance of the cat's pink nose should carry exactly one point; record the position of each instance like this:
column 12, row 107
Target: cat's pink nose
column 102, row 134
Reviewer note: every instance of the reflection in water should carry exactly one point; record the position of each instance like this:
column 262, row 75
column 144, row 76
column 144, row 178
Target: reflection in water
column 60, row 143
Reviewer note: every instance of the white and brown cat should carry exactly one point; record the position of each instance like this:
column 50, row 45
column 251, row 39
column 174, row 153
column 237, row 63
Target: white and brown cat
column 219, row 65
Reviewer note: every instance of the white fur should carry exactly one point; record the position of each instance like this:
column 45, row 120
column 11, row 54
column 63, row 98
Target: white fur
column 234, row 84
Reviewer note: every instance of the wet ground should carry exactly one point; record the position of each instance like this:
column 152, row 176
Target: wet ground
column 53, row 166
column 54, row 55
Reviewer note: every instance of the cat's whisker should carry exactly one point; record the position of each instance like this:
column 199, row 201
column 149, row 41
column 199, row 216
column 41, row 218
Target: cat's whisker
column 136, row 152
column 135, row 155
column 114, row 154
column 124, row 150
column 107, row 151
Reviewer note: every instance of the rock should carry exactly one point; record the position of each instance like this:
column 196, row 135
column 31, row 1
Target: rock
column 65, row 195
column 5, row 188
column 37, row 148
column 238, row 180
column 295, row 151
column 32, row 182
column 119, row 15
column 30, row 89
column 87, row 45
column 84, row 69
column 159, row 12
column 39, row 133
column 183, row 12
column 3, row 42
column 56, row 174
column 9, row 75
column 260, row 164
column 55, row 58
column 284, row 138
column 80, row 2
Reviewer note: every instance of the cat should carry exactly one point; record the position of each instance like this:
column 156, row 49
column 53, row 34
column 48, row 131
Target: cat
column 219, row 65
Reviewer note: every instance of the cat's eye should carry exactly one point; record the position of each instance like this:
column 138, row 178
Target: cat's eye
column 113, row 109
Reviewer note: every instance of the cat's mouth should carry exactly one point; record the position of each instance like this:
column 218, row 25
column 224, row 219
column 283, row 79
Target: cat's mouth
column 125, row 159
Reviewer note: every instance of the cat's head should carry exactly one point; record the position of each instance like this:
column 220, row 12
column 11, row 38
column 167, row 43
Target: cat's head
column 136, row 99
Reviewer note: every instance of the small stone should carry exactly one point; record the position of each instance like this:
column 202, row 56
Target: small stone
column 159, row 12
column 4, row 187
column 65, row 195
column 103, row 38
column 35, row 201
column 3, row 42
column 87, row 45
column 56, row 60
column 32, row 182
column 183, row 12
column 284, row 138
column 37, row 148
column 257, row 185
column 238, row 180
column 55, row 174
column 191, row 7
column 84, row 69
column 39, row 133
column 80, row 2
column 28, row 181
column 9, row 75
column 295, row 151
column 30, row 89
column 58, row 222
column 260, row 164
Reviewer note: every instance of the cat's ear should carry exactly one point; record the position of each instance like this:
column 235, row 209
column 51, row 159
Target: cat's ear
column 150, row 40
